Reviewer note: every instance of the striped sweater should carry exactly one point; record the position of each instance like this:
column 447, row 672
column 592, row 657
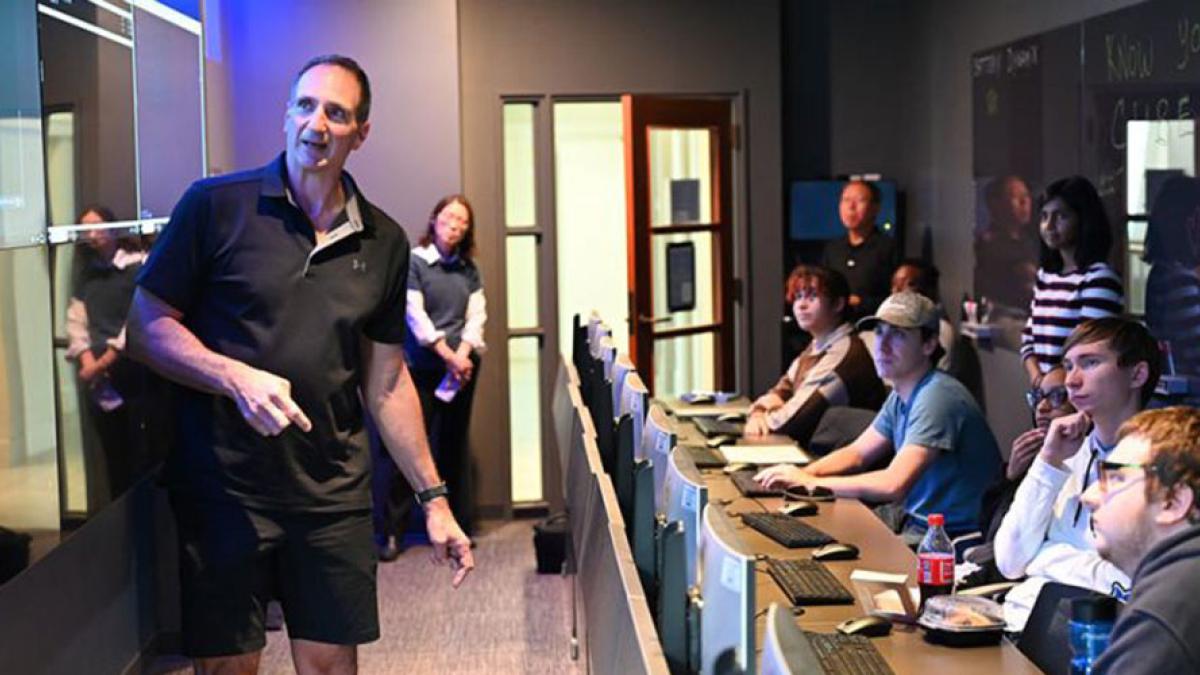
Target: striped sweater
column 1061, row 302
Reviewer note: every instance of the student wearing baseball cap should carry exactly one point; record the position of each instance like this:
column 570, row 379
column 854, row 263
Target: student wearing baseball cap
column 943, row 455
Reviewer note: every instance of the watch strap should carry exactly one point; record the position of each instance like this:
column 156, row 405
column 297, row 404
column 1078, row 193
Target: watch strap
column 431, row 493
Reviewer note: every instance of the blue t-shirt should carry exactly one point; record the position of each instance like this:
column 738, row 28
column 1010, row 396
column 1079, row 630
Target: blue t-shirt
column 941, row 415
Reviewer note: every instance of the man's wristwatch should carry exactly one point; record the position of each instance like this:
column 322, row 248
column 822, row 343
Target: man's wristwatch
column 431, row 493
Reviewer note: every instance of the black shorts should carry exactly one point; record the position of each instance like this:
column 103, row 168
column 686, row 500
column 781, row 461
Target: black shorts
column 233, row 560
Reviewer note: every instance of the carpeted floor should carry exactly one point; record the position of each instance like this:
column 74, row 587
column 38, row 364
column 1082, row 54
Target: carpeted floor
column 505, row 619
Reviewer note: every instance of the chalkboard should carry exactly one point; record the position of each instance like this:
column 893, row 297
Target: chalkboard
column 1057, row 104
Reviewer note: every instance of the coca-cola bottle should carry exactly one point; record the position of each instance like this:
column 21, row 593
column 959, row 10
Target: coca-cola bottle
column 935, row 560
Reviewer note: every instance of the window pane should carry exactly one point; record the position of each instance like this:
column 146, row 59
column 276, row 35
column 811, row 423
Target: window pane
column 703, row 313
column 680, row 176
column 1155, row 151
column 520, row 201
column 684, row 364
column 589, row 180
column 28, row 460
column 525, row 418
column 22, row 196
column 522, row 281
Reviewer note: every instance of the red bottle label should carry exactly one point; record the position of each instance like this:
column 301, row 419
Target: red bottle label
column 935, row 569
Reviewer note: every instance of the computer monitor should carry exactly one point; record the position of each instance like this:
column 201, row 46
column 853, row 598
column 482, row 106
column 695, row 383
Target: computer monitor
column 673, row 601
column 606, row 354
column 658, row 439
column 686, row 495
column 563, row 412
column 634, row 397
column 642, row 525
column 600, row 406
column 727, row 591
column 781, row 643
column 621, row 367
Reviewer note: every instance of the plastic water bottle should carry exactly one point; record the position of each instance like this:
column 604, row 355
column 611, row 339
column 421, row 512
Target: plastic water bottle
column 935, row 560
column 1091, row 625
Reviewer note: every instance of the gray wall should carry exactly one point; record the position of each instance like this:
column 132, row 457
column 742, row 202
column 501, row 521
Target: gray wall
column 594, row 47
column 409, row 48
column 900, row 77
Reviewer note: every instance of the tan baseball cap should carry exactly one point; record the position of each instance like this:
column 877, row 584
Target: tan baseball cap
column 905, row 310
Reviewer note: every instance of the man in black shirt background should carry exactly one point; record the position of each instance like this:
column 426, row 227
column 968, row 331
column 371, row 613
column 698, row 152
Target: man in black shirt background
column 865, row 256
column 276, row 299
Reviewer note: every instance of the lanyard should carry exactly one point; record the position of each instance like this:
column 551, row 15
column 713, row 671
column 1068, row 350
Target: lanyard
column 1097, row 449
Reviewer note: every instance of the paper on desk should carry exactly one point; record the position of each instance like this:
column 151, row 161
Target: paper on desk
column 764, row 454
column 714, row 410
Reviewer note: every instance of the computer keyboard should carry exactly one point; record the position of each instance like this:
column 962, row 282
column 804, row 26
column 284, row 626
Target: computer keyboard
column 847, row 654
column 786, row 530
column 744, row 480
column 711, row 426
column 704, row 458
column 808, row 582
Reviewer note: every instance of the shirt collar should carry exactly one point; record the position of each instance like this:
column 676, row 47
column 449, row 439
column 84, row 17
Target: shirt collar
column 274, row 185
column 833, row 336
column 430, row 254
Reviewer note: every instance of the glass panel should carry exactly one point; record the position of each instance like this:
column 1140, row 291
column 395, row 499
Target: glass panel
column 1136, row 269
column 520, row 201
column 589, row 170
column 522, row 267
column 525, row 418
column 87, row 61
column 112, row 421
column 22, row 195
column 680, row 176
column 1156, row 151
column 684, row 364
column 28, row 461
column 703, row 313
column 170, row 110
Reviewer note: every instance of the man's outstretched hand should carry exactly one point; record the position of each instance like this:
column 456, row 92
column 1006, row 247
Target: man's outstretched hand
column 450, row 543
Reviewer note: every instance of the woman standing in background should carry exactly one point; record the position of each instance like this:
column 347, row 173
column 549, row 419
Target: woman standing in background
column 1074, row 280
column 446, row 315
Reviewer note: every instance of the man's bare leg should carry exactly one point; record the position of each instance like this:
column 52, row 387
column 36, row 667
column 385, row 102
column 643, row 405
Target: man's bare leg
column 241, row 664
column 322, row 658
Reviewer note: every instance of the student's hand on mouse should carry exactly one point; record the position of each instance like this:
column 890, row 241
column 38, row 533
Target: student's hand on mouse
column 265, row 400
column 1024, row 449
column 1064, row 438
column 783, row 476
column 756, row 425
column 450, row 544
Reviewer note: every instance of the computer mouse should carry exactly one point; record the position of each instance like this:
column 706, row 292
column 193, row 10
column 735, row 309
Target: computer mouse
column 732, row 417
column 836, row 551
column 718, row 441
column 867, row 626
column 735, row 467
column 799, row 508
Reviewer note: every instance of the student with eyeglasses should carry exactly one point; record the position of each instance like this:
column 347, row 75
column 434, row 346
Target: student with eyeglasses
column 1146, row 520
column 1047, row 401
column 1112, row 366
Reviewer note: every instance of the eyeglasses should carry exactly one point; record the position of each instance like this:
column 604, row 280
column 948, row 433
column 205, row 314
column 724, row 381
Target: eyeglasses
column 1112, row 480
column 1056, row 396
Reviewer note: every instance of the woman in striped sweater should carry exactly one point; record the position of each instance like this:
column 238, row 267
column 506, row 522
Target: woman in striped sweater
column 1074, row 281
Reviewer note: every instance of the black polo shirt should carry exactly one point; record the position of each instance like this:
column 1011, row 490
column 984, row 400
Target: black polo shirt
column 240, row 261
column 868, row 268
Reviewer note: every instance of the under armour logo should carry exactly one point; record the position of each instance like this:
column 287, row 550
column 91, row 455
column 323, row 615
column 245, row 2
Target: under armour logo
column 358, row 266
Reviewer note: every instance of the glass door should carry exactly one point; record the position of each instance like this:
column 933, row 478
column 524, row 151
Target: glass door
column 680, row 242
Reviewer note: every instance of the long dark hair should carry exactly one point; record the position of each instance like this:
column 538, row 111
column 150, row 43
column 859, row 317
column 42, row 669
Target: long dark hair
column 466, row 248
column 1093, row 236
column 129, row 242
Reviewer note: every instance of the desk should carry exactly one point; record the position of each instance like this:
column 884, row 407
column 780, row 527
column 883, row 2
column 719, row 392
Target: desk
column 905, row 649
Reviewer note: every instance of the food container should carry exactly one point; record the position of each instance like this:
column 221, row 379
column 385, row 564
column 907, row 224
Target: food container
column 962, row 621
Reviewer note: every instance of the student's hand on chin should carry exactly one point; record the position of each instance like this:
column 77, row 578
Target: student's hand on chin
column 1064, row 438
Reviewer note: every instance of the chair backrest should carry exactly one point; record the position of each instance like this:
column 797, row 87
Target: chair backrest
column 1046, row 639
